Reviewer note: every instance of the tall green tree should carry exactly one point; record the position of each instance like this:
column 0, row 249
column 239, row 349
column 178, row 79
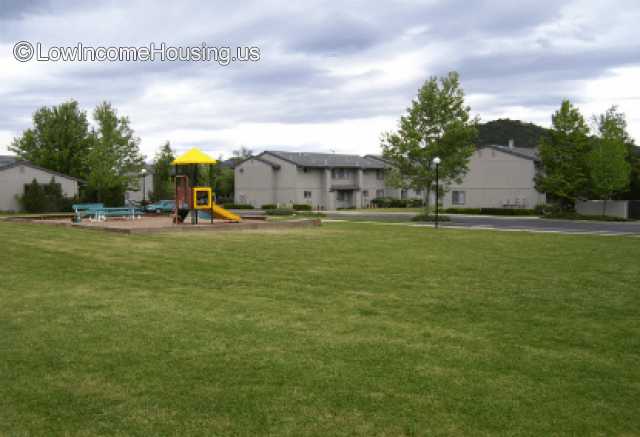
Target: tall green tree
column 162, row 186
column 225, row 183
column 59, row 139
column 608, row 161
column 115, row 160
column 612, row 126
column 565, row 173
column 438, row 123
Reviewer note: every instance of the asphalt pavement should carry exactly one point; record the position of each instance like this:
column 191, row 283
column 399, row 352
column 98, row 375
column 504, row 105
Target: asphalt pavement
column 536, row 224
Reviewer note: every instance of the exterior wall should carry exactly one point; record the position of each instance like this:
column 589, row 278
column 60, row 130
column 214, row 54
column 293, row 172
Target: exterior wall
column 13, row 180
column 372, row 185
column 136, row 194
column 254, row 183
column 497, row 180
column 614, row 208
column 312, row 181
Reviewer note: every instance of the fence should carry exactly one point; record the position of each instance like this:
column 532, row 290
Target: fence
column 614, row 208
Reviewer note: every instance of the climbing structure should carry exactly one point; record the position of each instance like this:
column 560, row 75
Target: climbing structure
column 193, row 195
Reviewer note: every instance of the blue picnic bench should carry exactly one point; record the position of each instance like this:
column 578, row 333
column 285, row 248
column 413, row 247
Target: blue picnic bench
column 98, row 212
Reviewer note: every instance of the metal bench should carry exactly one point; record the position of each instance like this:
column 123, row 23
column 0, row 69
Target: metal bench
column 83, row 210
column 131, row 213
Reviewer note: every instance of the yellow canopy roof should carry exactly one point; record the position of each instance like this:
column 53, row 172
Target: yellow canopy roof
column 194, row 156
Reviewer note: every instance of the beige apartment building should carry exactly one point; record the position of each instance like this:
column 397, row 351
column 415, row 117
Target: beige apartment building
column 498, row 177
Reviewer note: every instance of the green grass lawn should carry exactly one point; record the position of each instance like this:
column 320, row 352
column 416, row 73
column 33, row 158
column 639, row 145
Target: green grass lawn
column 347, row 329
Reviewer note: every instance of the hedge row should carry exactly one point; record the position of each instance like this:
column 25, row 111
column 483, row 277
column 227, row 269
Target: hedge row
column 390, row 202
column 490, row 211
column 237, row 206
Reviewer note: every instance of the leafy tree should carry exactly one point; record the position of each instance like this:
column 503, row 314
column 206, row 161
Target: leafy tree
column 225, row 183
column 115, row 160
column 58, row 140
column 565, row 173
column 437, row 124
column 608, row 161
column 634, row 185
column 162, row 186
column 242, row 153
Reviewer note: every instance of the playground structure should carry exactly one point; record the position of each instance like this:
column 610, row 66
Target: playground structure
column 193, row 196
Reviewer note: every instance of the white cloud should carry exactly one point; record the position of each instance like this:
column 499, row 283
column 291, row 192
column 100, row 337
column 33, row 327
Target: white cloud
column 333, row 75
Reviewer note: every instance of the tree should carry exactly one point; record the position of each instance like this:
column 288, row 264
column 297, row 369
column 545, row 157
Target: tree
column 242, row 153
column 115, row 160
column 608, row 161
column 225, row 183
column 44, row 197
column 58, row 140
column 437, row 124
column 162, row 187
column 33, row 199
column 565, row 172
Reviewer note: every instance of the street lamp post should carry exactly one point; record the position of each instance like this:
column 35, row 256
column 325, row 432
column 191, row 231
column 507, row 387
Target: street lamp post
column 437, row 161
column 144, row 186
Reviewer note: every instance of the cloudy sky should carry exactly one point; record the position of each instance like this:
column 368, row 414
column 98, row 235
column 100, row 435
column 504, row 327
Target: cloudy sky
column 331, row 76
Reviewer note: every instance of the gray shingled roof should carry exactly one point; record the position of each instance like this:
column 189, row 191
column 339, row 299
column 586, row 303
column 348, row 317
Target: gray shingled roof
column 326, row 160
column 7, row 161
column 522, row 152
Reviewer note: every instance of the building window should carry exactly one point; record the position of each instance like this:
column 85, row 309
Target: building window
column 365, row 193
column 380, row 175
column 403, row 194
column 341, row 173
column 418, row 192
column 307, row 194
column 306, row 170
column 379, row 193
column 457, row 197
column 340, row 196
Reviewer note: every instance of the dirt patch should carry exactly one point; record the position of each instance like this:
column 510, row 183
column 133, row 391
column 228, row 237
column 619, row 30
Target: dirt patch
column 164, row 224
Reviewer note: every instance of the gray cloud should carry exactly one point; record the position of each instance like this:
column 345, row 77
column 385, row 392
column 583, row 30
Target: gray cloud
column 528, row 54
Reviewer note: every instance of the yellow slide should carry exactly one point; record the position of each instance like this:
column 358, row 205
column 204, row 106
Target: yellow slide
column 222, row 213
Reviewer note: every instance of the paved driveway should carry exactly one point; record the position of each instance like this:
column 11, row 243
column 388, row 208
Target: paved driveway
column 505, row 223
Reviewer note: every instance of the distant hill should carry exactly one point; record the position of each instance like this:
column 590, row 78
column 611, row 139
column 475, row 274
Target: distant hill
column 502, row 130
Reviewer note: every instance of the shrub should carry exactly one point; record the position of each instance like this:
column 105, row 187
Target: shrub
column 507, row 211
column 44, row 198
column 430, row 218
column 269, row 206
column 237, row 206
column 390, row 202
column 302, row 207
column 279, row 211
column 462, row 210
